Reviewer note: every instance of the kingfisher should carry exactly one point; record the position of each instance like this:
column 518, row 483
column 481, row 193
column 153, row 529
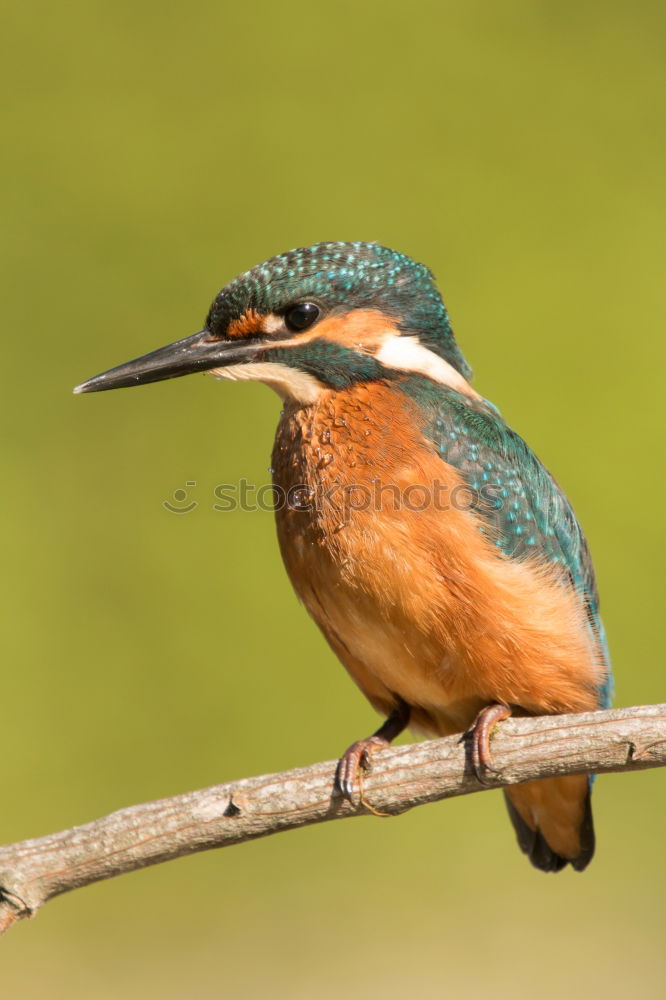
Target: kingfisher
column 438, row 556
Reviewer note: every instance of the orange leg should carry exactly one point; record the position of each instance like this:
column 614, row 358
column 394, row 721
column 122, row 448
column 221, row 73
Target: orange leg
column 487, row 718
column 357, row 756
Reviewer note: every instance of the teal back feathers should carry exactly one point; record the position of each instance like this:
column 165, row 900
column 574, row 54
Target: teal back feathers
column 525, row 511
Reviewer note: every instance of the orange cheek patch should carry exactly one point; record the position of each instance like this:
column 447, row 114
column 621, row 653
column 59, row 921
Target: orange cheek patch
column 247, row 324
column 364, row 328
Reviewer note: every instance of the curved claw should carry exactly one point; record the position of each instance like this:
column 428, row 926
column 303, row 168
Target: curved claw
column 356, row 758
column 479, row 733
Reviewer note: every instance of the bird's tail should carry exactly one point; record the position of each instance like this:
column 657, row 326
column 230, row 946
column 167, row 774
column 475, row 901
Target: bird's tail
column 552, row 818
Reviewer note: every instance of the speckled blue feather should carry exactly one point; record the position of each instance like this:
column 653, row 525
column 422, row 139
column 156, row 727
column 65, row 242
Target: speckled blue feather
column 344, row 276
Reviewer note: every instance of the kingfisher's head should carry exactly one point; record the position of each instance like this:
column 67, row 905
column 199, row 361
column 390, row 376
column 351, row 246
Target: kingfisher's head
column 326, row 316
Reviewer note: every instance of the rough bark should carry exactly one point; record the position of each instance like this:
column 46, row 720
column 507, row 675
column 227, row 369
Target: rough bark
column 34, row 871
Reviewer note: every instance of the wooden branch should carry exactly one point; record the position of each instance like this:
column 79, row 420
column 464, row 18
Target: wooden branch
column 34, row 871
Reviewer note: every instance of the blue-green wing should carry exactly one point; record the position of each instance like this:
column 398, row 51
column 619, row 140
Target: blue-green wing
column 522, row 508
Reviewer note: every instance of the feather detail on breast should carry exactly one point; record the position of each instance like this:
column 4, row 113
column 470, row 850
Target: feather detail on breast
column 380, row 543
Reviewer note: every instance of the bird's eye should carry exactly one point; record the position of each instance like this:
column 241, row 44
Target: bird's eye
column 301, row 316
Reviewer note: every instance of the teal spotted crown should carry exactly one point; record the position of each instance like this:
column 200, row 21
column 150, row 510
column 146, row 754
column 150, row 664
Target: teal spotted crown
column 340, row 277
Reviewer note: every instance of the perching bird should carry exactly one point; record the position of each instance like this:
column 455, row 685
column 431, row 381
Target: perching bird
column 440, row 559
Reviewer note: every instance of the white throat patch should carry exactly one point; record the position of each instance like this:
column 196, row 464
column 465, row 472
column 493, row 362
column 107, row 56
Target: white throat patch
column 290, row 384
column 408, row 354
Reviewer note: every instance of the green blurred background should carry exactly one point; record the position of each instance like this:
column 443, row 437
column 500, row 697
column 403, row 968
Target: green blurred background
column 153, row 151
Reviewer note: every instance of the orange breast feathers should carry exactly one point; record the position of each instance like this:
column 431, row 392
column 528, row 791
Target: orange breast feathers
column 413, row 598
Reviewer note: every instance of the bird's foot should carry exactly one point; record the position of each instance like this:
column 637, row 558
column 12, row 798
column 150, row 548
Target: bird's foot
column 355, row 760
column 479, row 735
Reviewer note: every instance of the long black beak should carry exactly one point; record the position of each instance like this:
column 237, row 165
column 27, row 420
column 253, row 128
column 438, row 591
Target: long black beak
column 198, row 353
